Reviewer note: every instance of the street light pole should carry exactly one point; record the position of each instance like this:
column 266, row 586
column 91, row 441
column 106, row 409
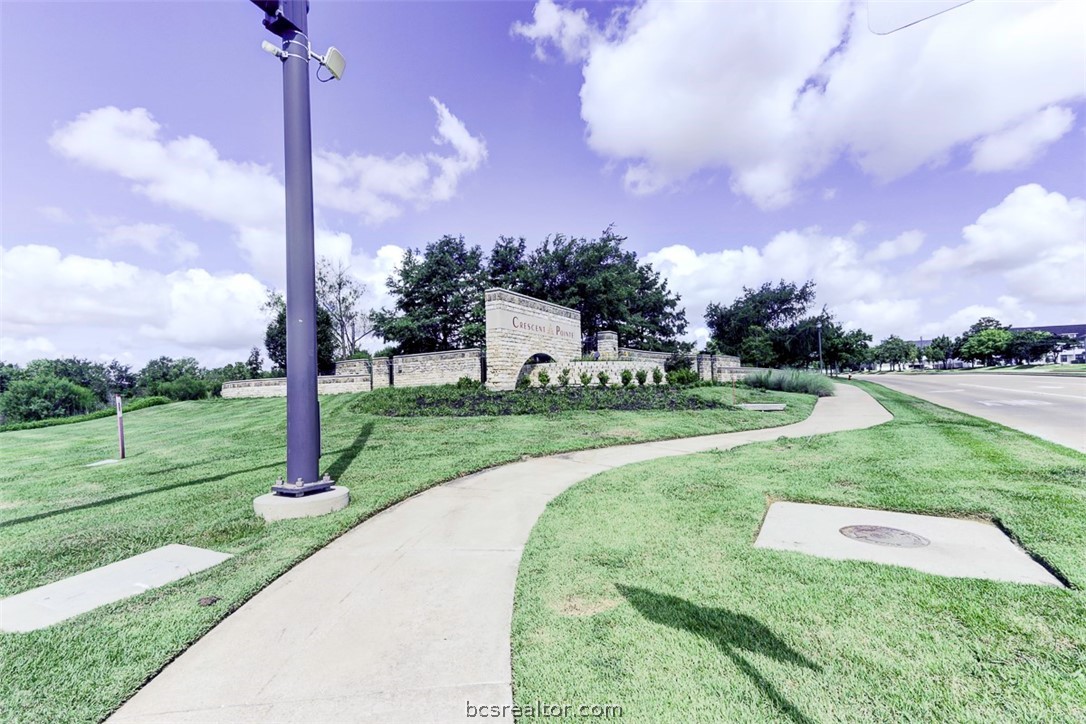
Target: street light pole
column 821, row 368
column 287, row 19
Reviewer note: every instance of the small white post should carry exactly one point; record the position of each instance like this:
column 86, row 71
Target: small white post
column 120, row 423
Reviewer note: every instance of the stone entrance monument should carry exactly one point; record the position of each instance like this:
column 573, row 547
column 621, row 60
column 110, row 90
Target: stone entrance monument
column 520, row 327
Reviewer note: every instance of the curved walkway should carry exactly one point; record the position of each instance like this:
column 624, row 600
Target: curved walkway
column 408, row 615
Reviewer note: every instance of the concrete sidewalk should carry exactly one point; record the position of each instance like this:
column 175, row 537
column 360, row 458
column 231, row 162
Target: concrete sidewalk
column 416, row 603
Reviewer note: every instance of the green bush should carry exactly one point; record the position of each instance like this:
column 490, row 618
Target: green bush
column 682, row 376
column 586, row 379
column 603, row 377
column 544, row 378
column 657, row 376
column 642, row 377
column 45, row 396
column 790, row 381
column 466, row 383
column 450, row 401
column 183, row 388
column 136, row 404
column 524, row 382
column 563, row 379
column 627, row 378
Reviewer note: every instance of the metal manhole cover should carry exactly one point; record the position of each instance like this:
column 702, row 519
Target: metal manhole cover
column 884, row 536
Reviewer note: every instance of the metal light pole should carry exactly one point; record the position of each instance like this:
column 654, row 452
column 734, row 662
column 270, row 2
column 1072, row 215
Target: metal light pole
column 821, row 369
column 287, row 19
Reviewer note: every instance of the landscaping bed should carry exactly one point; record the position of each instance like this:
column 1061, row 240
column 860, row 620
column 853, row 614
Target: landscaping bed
column 453, row 401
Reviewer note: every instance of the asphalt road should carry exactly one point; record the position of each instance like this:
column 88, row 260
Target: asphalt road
column 1053, row 408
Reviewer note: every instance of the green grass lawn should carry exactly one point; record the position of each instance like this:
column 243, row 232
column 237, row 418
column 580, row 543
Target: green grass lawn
column 192, row 473
column 640, row 587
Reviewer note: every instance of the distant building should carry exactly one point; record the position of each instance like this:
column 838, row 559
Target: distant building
column 1074, row 352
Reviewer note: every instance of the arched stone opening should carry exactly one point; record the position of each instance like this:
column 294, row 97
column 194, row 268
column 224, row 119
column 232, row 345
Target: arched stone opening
column 529, row 365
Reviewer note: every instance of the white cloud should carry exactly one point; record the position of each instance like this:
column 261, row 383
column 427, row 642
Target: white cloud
column 1034, row 238
column 187, row 173
column 776, row 92
column 566, row 28
column 908, row 242
column 829, row 194
column 377, row 188
column 858, row 291
column 47, row 295
column 1019, row 145
column 1007, row 309
column 151, row 238
column 20, row 351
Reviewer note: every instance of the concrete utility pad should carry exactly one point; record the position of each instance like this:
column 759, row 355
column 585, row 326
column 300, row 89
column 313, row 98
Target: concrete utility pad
column 763, row 406
column 102, row 462
column 942, row 546
column 56, row 602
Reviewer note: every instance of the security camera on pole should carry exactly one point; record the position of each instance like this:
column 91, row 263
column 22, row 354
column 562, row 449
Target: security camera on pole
column 303, row 493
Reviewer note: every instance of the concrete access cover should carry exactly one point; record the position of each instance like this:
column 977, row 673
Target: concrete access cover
column 941, row 546
column 59, row 601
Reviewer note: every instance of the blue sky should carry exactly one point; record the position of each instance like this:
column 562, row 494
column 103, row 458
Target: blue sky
column 923, row 178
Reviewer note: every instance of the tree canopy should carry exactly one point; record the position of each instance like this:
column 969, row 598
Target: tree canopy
column 439, row 301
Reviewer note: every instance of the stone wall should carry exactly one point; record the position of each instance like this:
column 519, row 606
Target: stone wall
column 277, row 386
column 613, row 368
column 707, row 366
column 519, row 327
column 354, row 368
column 437, row 368
column 640, row 355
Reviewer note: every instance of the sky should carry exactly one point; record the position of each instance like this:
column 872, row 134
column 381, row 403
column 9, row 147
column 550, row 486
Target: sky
column 923, row 177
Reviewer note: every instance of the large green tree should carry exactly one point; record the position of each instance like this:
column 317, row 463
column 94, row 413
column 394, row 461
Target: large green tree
column 275, row 341
column 772, row 317
column 438, row 296
column 1027, row 345
column 941, row 350
column 986, row 345
column 895, row 351
column 607, row 285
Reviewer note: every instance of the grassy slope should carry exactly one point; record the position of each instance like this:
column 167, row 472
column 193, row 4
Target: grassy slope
column 192, row 472
column 679, row 618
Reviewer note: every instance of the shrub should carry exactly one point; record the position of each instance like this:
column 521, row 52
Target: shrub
column 790, row 381
column 131, row 406
column 45, row 396
column 185, row 387
column 586, row 379
column 544, row 378
column 657, row 376
column 524, row 382
column 563, row 379
column 603, row 377
column 466, row 383
column 682, row 376
column 449, row 401
column 627, row 378
column 642, row 377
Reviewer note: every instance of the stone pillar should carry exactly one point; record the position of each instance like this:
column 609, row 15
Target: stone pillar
column 704, row 366
column 607, row 345
column 382, row 372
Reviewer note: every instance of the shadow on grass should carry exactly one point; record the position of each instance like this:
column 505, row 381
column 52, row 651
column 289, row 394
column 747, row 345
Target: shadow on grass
column 347, row 455
column 730, row 632
column 137, row 494
column 335, row 470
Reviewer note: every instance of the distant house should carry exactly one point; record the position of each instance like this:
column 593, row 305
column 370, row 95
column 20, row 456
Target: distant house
column 1075, row 350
